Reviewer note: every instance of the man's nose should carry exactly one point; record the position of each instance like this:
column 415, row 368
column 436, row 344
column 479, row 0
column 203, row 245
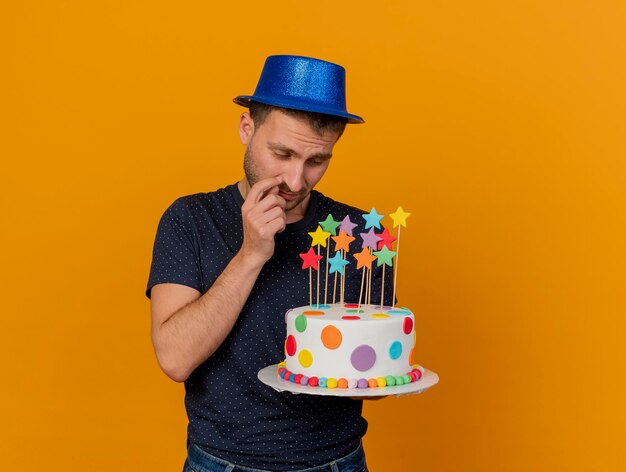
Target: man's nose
column 294, row 177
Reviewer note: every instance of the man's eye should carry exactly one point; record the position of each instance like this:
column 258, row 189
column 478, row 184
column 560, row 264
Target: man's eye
column 281, row 155
column 315, row 162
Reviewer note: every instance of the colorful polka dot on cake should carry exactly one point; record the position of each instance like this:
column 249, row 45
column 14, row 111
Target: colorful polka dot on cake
column 290, row 345
column 395, row 350
column 408, row 325
column 301, row 323
column 331, row 337
column 399, row 312
column 313, row 313
column 363, row 358
column 305, row 358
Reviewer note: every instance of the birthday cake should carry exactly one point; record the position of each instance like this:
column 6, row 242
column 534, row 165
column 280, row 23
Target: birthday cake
column 347, row 346
column 351, row 345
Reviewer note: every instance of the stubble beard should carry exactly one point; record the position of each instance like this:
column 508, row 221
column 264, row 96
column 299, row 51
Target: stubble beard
column 251, row 171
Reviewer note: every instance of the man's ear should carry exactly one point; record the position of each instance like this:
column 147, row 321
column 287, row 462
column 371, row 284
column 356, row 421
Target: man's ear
column 246, row 128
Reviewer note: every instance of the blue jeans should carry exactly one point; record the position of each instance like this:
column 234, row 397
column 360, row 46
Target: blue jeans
column 200, row 461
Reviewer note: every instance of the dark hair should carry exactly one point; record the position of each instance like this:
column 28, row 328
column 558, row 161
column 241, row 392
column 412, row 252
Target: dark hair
column 318, row 122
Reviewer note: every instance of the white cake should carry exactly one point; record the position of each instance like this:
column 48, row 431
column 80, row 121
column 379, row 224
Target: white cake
column 345, row 347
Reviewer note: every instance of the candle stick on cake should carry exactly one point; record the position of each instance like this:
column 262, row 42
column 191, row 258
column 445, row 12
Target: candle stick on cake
column 386, row 241
column 370, row 240
column 330, row 226
column 310, row 260
column 364, row 261
column 385, row 258
column 319, row 238
column 399, row 219
column 372, row 220
column 342, row 243
column 348, row 226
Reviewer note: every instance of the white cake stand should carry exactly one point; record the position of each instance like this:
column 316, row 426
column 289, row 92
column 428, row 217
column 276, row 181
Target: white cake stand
column 269, row 376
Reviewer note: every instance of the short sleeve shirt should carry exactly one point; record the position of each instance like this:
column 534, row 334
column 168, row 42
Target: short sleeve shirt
column 231, row 413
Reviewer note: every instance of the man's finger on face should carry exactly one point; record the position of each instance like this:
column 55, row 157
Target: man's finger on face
column 272, row 191
column 259, row 190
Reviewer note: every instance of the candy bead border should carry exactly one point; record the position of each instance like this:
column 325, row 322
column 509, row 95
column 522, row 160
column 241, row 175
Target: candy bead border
column 342, row 383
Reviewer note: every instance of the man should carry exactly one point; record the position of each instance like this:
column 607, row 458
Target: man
column 225, row 270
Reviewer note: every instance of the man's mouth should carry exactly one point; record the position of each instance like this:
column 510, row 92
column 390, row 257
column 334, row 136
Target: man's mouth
column 288, row 196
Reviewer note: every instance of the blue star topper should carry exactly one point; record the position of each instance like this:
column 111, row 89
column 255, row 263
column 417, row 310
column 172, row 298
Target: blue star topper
column 337, row 264
column 372, row 219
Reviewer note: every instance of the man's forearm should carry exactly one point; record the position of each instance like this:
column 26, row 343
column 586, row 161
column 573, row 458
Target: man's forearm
column 194, row 332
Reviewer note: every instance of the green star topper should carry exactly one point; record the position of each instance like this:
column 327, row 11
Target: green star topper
column 385, row 256
column 330, row 225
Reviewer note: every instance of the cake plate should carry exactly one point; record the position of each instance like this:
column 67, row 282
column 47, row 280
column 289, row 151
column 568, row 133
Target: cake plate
column 269, row 376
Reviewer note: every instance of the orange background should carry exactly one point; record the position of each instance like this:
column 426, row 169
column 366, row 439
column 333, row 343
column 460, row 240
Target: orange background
column 499, row 125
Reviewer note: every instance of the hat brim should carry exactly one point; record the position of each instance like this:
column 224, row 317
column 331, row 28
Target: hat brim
column 244, row 101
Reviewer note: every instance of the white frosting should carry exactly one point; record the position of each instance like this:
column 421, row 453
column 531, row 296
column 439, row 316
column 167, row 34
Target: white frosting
column 385, row 336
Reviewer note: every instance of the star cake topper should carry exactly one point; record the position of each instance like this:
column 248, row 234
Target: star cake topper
column 386, row 239
column 347, row 225
column 330, row 225
column 310, row 259
column 364, row 258
column 385, row 256
column 342, row 241
column 337, row 263
column 399, row 217
column 319, row 237
column 370, row 239
column 372, row 219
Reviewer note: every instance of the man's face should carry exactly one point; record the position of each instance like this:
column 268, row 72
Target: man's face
column 286, row 146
